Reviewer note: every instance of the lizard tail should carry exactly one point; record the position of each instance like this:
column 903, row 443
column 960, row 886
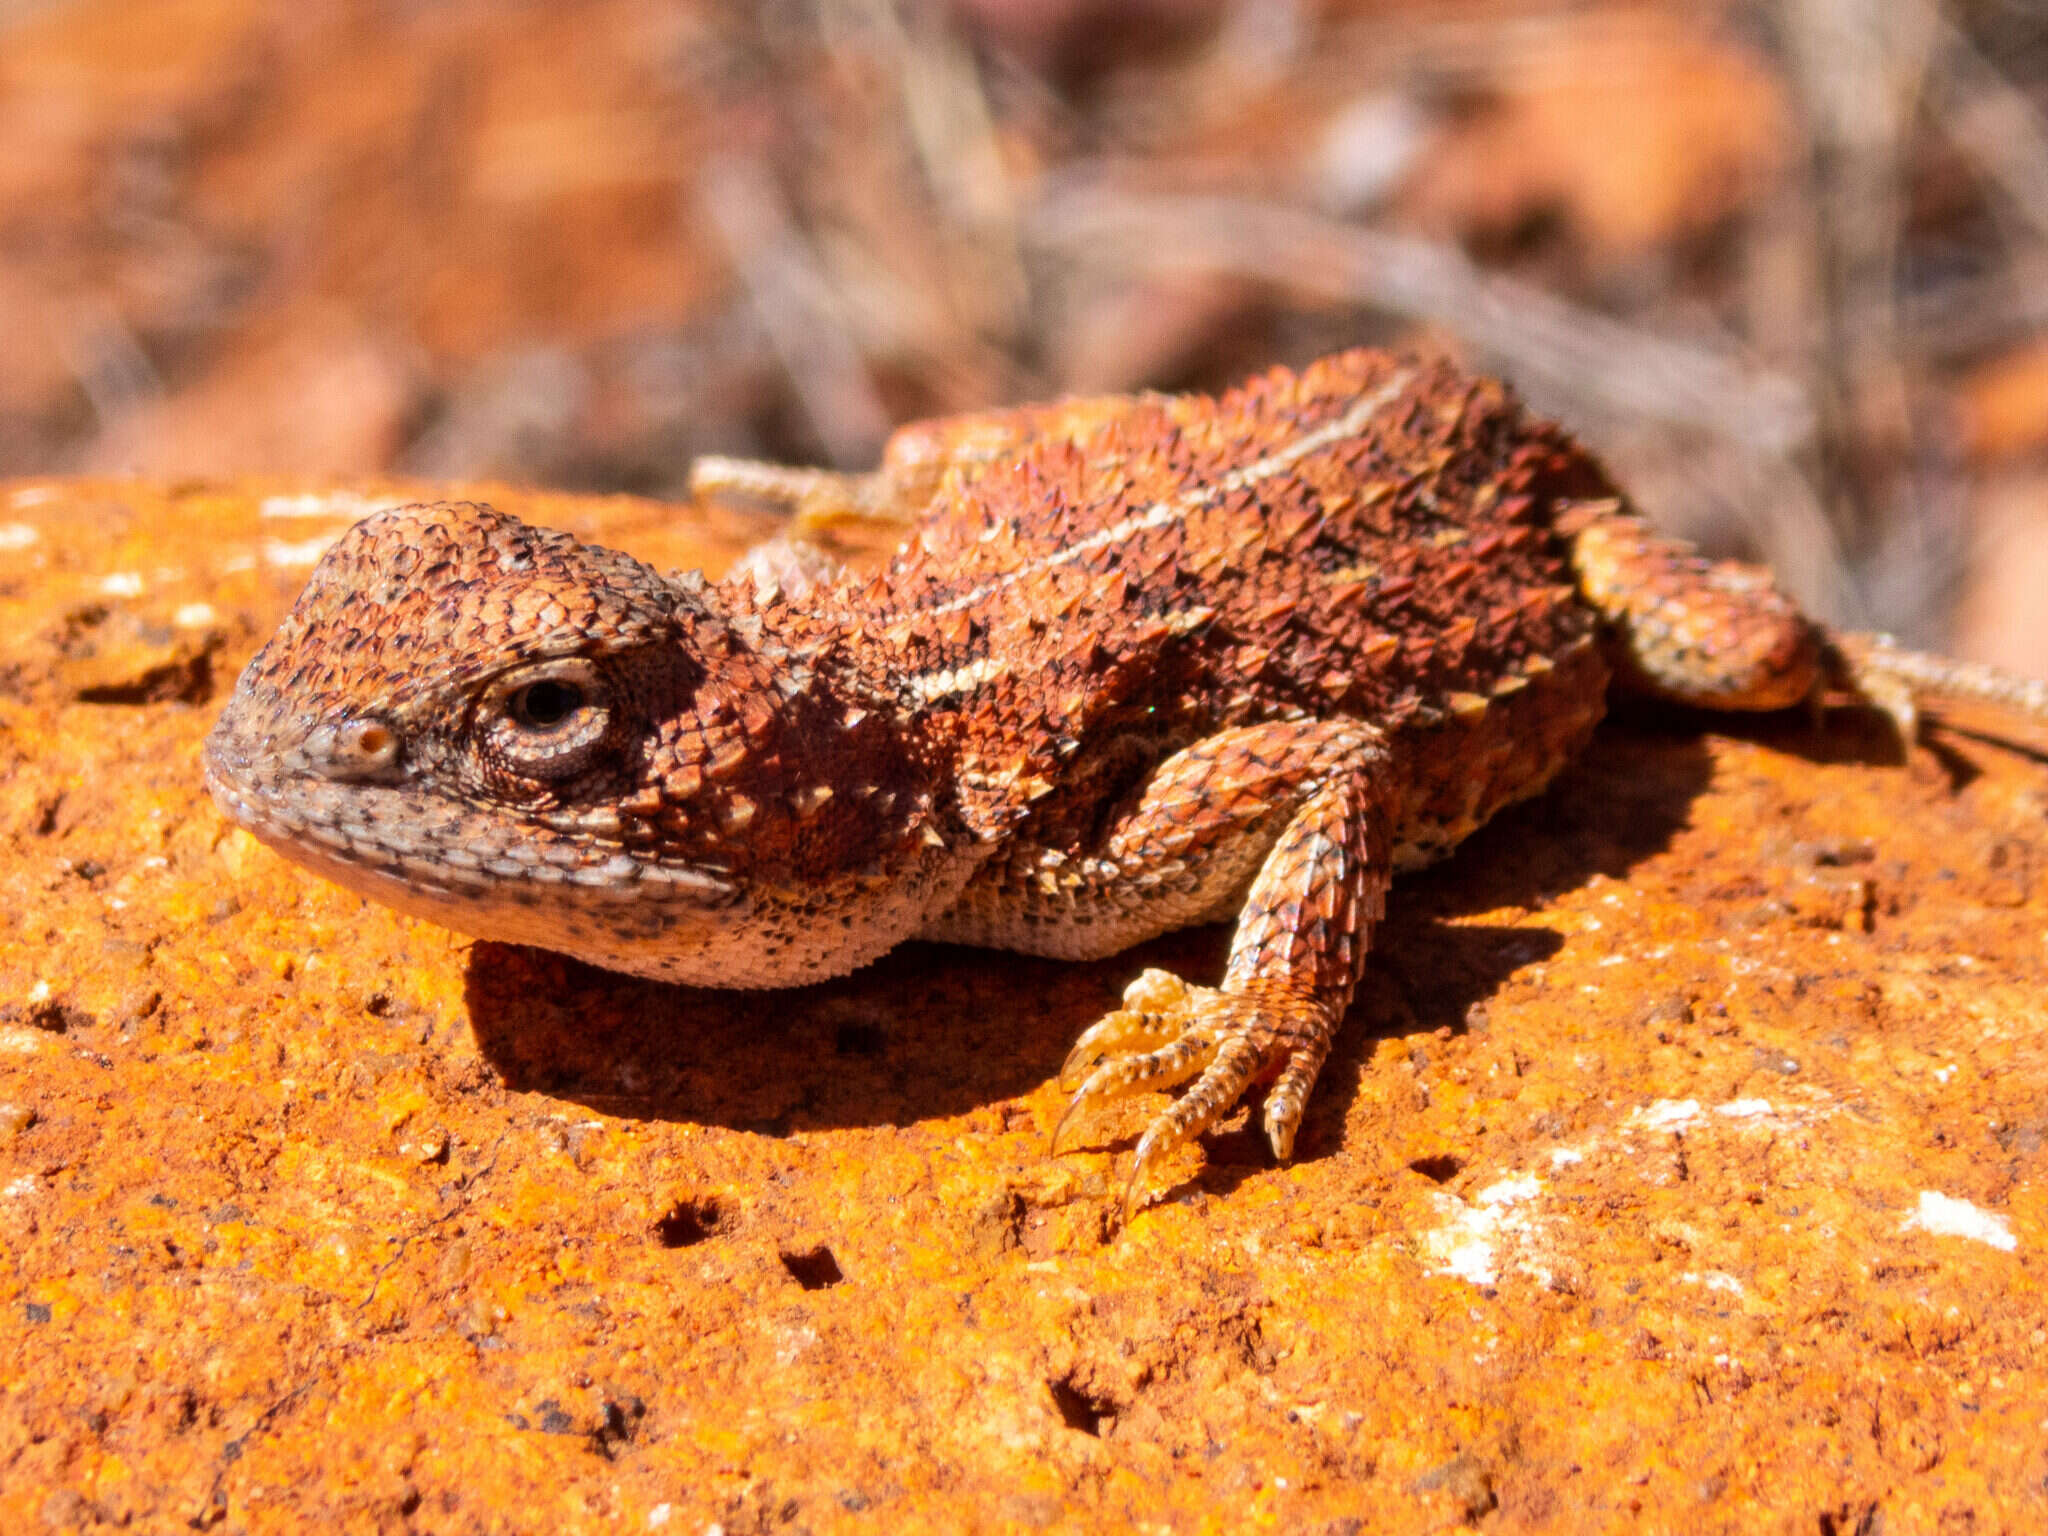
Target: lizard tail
column 1901, row 682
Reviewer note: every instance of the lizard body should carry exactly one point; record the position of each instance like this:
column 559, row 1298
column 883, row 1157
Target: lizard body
column 1143, row 662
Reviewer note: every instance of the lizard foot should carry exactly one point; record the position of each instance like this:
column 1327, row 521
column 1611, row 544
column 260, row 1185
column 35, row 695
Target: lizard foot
column 1168, row 1031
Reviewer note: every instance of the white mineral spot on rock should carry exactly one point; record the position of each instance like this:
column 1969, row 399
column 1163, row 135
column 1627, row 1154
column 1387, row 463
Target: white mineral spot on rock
column 1510, row 1191
column 1463, row 1246
column 1665, row 1115
column 1946, row 1216
column 18, row 535
column 1469, row 1244
column 121, row 584
column 1714, row 1280
column 1747, row 1109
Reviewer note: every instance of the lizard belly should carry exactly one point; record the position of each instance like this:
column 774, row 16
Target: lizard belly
column 1475, row 756
column 1064, row 888
column 1020, row 901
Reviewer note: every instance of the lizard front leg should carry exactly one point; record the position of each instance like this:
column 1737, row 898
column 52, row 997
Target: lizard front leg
column 813, row 499
column 915, row 463
column 1296, row 959
column 1289, row 826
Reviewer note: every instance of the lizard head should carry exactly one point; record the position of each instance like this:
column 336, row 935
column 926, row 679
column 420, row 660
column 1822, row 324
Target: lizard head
column 539, row 741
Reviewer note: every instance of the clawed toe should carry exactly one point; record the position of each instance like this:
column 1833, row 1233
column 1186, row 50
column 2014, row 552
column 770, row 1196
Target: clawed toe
column 1288, row 1096
column 1168, row 1032
column 1235, row 1063
column 1148, row 1019
column 1187, row 1051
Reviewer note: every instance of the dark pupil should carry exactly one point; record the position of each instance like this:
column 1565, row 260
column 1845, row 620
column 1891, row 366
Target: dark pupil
column 546, row 704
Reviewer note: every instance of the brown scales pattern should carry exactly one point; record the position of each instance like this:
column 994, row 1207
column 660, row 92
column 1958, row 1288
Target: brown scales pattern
column 1142, row 662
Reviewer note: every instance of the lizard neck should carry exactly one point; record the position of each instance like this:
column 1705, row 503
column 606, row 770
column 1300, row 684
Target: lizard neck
column 797, row 757
column 891, row 709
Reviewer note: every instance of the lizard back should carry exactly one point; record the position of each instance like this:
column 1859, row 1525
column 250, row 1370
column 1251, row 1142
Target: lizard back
column 1372, row 538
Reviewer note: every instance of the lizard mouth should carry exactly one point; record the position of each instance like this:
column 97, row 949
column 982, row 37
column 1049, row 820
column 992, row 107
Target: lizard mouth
column 434, row 856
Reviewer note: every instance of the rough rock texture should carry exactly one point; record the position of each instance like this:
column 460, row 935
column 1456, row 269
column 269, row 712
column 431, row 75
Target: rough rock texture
column 1681, row 1164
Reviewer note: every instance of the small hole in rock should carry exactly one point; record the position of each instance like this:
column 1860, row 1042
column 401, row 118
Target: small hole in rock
column 1080, row 1409
column 616, row 1426
column 687, row 1222
column 1440, row 1169
column 814, row 1270
column 553, row 1420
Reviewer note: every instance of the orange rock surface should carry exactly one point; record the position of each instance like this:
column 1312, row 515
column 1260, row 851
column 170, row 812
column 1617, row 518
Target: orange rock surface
column 1681, row 1165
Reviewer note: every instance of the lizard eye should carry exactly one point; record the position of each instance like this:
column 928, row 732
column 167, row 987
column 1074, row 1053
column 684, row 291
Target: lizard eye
column 549, row 720
column 545, row 705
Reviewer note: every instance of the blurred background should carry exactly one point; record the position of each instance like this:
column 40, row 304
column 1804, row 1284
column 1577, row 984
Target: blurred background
column 1784, row 262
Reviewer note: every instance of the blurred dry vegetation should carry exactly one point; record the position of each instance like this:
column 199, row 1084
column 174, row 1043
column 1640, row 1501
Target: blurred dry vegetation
column 1785, row 262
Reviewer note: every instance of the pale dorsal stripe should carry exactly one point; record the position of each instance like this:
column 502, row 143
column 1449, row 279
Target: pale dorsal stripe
column 928, row 687
column 1162, row 513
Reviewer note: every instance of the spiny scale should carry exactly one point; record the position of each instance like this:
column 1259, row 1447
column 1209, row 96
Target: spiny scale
column 1142, row 662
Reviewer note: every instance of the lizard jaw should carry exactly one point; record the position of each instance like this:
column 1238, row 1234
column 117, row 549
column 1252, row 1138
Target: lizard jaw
column 623, row 909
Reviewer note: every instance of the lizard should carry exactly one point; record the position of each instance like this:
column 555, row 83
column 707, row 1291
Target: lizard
column 1141, row 662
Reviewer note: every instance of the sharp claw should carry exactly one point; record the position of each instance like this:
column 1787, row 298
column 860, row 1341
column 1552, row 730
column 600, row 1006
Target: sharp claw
column 1282, row 1120
column 1110, row 1075
column 1280, row 1137
column 1139, row 1159
column 1161, row 1136
column 1085, row 1097
column 1073, row 1068
column 1052, row 1147
column 1074, row 1107
column 1121, row 1026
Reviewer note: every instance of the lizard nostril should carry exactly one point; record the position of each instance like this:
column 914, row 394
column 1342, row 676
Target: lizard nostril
column 367, row 744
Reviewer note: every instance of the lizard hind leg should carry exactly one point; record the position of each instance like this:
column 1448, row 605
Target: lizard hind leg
column 1715, row 634
column 1720, row 635
column 1299, row 949
column 1878, row 670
